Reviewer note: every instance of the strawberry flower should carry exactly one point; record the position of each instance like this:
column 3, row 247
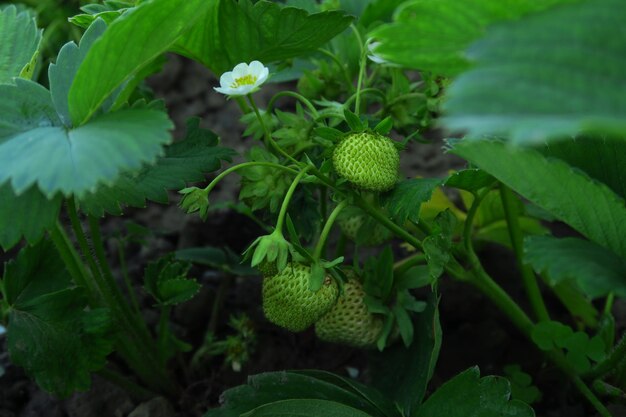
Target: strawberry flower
column 243, row 79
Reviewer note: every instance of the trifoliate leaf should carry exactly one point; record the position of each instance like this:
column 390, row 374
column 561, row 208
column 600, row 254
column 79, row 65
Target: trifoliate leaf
column 49, row 333
column 36, row 149
column 468, row 395
column 166, row 280
column 265, row 31
column 19, row 42
column 404, row 201
column 522, row 85
column 128, row 45
column 184, row 161
column 28, row 215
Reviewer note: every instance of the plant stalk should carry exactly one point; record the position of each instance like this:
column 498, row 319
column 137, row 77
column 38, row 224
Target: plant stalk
column 517, row 240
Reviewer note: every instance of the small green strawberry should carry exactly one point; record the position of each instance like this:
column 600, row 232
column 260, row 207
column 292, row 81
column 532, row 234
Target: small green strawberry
column 351, row 221
column 288, row 301
column 368, row 160
column 349, row 322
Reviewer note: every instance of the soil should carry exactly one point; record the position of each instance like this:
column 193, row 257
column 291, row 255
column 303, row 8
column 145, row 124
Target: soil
column 475, row 333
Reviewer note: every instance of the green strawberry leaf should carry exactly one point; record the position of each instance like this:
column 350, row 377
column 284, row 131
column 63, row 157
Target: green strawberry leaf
column 166, row 280
column 432, row 35
column 378, row 274
column 47, row 320
column 184, row 161
column 468, row 395
column 373, row 396
column 601, row 158
column 231, row 32
column 569, row 194
column 594, row 269
column 504, row 95
column 71, row 161
column 547, row 335
column 272, row 387
column 470, row 180
column 85, row 20
column 404, row 201
column 19, row 43
column 61, row 73
column 438, row 245
column 305, row 408
column 128, row 45
column 580, row 349
column 402, row 373
column 28, row 215
column 405, row 325
column 521, row 385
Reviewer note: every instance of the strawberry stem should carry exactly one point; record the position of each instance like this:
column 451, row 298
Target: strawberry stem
column 285, row 205
column 321, row 243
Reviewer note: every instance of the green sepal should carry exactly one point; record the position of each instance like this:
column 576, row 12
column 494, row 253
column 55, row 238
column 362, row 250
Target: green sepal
column 354, row 122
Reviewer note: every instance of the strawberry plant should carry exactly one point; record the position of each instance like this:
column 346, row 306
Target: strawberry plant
column 350, row 247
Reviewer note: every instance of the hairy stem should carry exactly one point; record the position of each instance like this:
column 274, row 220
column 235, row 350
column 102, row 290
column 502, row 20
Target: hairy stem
column 321, row 243
column 301, row 98
column 285, row 206
column 515, row 233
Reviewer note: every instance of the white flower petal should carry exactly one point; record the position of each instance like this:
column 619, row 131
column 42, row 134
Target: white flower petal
column 255, row 68
column 265, row 72
column 227, row 79
column 222, row 90
column 240, row 70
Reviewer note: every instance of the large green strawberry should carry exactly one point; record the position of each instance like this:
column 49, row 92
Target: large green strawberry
column 368, row 160
column 349, row 322
column 288, row 301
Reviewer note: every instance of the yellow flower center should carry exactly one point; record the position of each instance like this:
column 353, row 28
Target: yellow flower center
column 245, row 80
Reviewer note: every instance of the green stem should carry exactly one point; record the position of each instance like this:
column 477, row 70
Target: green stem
column 405, row 264
column 230, row 170
column 591, row 397
column 129, row 288
column 242, row 104
column 303, row 100
column 517, row 240
column 269, row 142
column 321, row 243
column 362, row 66
column 83, row 244
column 406, row 96
column 468, row 227
column 74, row 264
column 373, row 91
column 608, row 304
column 285, row 206
column 139, row 349
column 96, row 236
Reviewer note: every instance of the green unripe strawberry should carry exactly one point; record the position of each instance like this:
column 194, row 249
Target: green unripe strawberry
column 288, row 301
column 349, row 322
column 368, row 160
column 352, row 219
